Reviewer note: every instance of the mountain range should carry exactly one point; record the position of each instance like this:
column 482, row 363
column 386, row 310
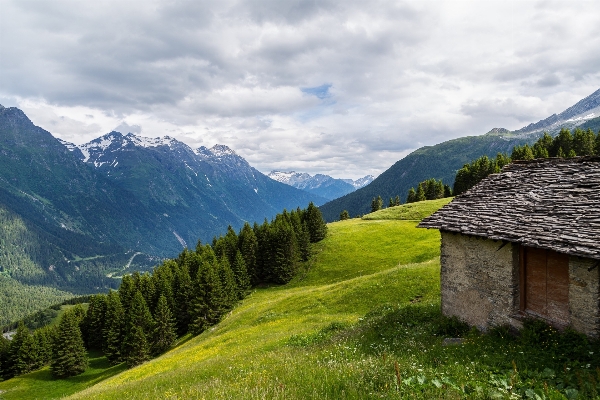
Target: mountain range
column 75, row 216
column 443, row 160
column 319, row 184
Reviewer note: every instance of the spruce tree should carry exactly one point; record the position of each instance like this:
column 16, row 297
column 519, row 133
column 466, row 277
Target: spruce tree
column 249, row 247
column 138, row 324
column 164, row 327
column 397, row 201
column 113, row 328
column 27, row 356
column 420, row 195
column 344, row 215
column 317, row 228
column 183, row 295
column 412, row 195
column 4, row 346
column 94, row 321
column 69, row 357
column 12, row 368
column 207, row 303
column 44, row 338
column 241, row 275
column 137, row 348
column 228, row 284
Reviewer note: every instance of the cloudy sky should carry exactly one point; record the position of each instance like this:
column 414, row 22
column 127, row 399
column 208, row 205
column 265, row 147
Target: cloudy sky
column 345, row 88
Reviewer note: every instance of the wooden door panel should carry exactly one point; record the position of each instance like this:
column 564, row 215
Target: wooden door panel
column 557, row 290
column 535, row 297
column 546, row 284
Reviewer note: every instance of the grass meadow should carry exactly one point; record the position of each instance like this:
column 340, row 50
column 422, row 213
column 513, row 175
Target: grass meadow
column 361, row 321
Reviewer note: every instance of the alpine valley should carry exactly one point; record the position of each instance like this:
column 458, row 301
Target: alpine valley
column 75, row 218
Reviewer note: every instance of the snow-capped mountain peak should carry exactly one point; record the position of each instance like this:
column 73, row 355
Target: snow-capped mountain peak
column 323, row 185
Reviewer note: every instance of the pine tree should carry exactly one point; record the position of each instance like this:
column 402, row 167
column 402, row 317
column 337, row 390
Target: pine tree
column 44, row 338
column 344, row 215
column 397, row 201
column 11, row 368
column 27, row 356
column 249, row 247
column 138, row 348
column 560, row 153
column 94, row 321
column 241, row 275
column 391, row 203
column 127, row 290
column 208, row 299
column 412, row 195
column 114, row 326
column 164, row 328
column 285, row 252
column 4, row 347
column 138, row 323
column 69, row 357
column 228, row 284
column 420, row 196
column 563, row 141
column 183, row 294
column 447, row 191
column 317, row 228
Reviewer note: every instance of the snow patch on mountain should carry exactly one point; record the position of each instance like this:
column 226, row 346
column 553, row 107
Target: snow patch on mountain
column 323, row 185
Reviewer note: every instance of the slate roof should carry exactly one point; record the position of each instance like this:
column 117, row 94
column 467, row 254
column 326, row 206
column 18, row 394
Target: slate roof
column 547, row 203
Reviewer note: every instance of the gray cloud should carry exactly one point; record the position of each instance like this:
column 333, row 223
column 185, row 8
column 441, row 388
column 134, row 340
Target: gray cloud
column 399, row 75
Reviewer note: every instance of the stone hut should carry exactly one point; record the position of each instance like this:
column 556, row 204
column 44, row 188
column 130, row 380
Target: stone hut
column 524, row 243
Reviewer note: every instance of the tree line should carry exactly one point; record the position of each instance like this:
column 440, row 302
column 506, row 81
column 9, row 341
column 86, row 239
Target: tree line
column 188, row 294
column 564, row 145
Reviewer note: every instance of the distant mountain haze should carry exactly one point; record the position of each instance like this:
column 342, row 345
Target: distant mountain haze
column 321, row 185
column 443, row 160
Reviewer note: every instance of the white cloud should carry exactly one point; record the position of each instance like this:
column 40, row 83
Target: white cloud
column 399, row 74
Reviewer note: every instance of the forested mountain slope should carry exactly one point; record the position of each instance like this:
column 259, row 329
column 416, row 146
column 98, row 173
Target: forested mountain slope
column 440, row 162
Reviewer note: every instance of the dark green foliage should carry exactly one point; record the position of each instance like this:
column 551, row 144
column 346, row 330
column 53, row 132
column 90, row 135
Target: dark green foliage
column 471, row 174
column 344, row 215
column 241, row 275
column 69, row 357
column 317, row 228
column 412, row 196
column 228, row 284
column 127, row 290
column 183, row 294
column 94, row 320
column 138, row 324
column 248, row 245
column 164, row 327
column 114, row 328
column 430, row 189
column 583, row 142
column 397, row 200
column 27, row 355
column 376, row 204
column 207, row 304
column 44, row 339
column 4, row 347
column 138, row 348
column 522, row 153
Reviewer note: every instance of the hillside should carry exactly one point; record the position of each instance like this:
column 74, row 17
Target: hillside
column 440, row 162
column 362, row 322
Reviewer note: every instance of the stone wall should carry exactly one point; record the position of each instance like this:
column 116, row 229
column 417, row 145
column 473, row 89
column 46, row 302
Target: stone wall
column 480, row 281
column 583, row 295
column 480, row 284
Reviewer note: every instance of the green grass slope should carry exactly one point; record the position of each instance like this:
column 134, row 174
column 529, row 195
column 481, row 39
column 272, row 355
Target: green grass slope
column 363, row 322
column 410, row 211
column 359, row 266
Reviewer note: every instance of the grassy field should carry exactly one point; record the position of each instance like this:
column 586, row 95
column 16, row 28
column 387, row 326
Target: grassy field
column 362, row 322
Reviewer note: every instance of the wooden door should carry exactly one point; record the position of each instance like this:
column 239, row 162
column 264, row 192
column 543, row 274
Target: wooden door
column 546, row 284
